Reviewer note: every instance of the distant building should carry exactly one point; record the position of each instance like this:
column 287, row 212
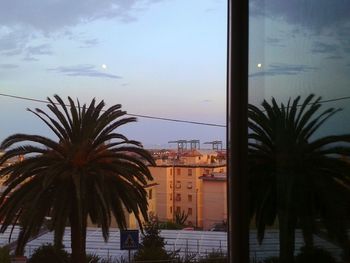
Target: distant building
column 181, row 185
column 214, row 199
column 7, row 163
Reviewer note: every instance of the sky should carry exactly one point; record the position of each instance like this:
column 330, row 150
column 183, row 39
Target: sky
column 167, row 58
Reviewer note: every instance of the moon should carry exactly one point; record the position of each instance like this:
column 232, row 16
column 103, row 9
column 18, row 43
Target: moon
column 104, row 66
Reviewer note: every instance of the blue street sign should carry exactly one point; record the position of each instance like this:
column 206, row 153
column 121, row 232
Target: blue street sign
column 129, row 239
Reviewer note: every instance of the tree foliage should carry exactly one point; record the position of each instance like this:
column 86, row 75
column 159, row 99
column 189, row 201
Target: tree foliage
column 89, row 171
column 5, row 255
column 297, row 175
column 152, row 246
column 180, row 218
column 49, row 253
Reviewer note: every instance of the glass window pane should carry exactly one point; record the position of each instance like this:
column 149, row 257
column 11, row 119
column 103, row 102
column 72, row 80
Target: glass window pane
column 299, row 79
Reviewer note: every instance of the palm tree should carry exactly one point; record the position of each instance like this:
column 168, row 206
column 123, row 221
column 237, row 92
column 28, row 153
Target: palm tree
column 90, row 171
column 296, row 176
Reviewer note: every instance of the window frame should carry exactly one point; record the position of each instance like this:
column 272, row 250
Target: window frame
column 237, row 130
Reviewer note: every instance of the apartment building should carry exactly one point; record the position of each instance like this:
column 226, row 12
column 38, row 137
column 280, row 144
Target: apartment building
column 214, row 199
column 180, row 185
column 130, row 218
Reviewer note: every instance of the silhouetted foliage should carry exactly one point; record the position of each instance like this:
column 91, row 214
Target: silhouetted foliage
column 180, row 218
column 90, row 171
column 314, row 254
column 152, row 245
column 5, row 255
column 214, row 257
column 49, row 253
column 93, row 258
column 297, row 176
column 170, row 225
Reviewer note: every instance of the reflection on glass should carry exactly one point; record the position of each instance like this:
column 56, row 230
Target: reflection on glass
column 299, row 130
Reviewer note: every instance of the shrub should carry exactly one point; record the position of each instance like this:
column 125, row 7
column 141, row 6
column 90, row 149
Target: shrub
column 5, row 255
column 49, row 253
column 170, row 225
column 152, row 245
column 180, row 218
column 314, row 254
column 92, row 258
column 266, row 260
column 214, row 257
column 271, row 260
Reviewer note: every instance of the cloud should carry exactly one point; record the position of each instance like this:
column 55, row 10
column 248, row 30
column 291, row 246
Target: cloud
column 274, row 41
column 334, row 57
column 281, row 69
column 316, row 15
column 8, row 66
column 320, row 47
column 89, row 43
column 55, row 15
column 44, row 49
column 83, row 71
column 12, row 43
column 30, row 59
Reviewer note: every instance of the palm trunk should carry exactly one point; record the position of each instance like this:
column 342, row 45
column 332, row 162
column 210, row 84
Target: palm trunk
column 78, row 238
column 287, row 237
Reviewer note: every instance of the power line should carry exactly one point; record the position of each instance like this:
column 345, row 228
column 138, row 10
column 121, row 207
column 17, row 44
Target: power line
column 130, row 114
column 162, row 118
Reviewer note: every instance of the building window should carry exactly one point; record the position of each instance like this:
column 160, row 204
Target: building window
column 178, row 171
column 178, row 197
column 178, row 184
column 189, row 172
column 189, row 198
column 178, row 209
column 171, row 209
column 171, row 196
column 150, row 194
column 171, row 184
column 189, row 211
column 189, row 185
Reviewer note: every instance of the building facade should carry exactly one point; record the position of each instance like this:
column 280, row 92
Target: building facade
column 181, row 188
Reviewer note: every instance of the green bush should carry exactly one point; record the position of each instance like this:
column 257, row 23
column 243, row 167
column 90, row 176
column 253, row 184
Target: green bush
column 48, row 253
column 314, row 254
column 214, row 257
column 271, row 260
column 170, row 225
column 92, row 258
column 266, row 260
column 152, row 245
column 5, row 255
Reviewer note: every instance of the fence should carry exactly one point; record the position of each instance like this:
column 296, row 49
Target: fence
column 186, row 243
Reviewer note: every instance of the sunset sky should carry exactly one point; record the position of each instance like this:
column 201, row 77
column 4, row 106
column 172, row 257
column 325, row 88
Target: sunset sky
column 167, row 58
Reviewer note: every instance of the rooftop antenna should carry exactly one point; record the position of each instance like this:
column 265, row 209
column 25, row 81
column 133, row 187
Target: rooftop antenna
column 216, row 145
column 181, row 145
